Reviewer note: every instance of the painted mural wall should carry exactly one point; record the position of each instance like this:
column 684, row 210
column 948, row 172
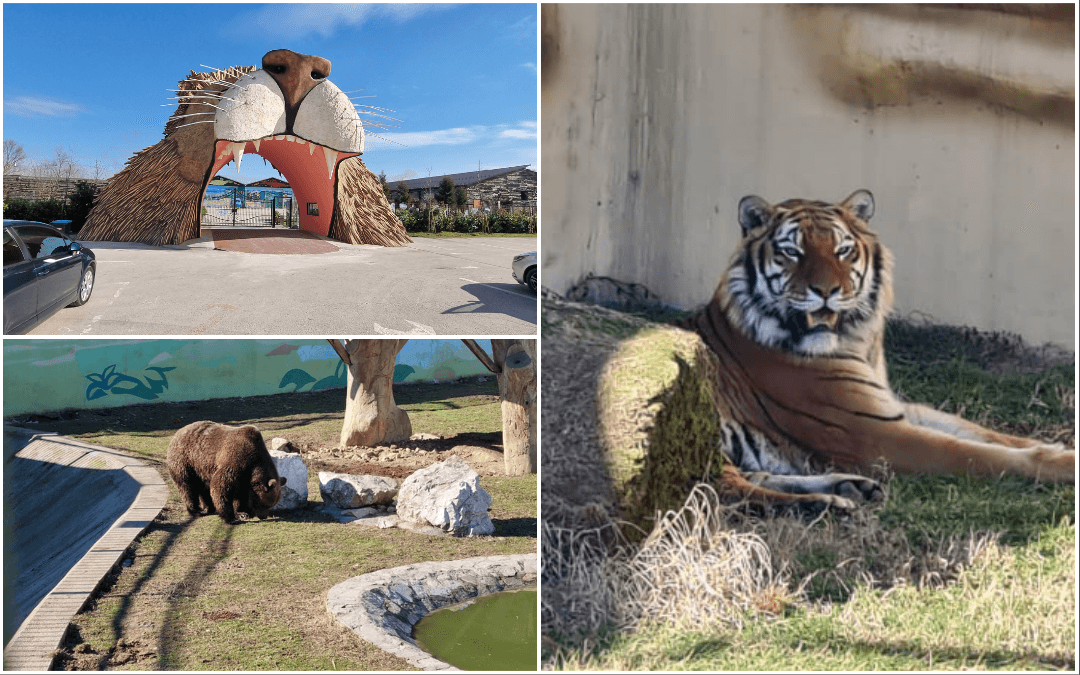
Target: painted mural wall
column 48, row 375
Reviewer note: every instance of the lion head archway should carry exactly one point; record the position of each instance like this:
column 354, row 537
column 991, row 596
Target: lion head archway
column 289, row 113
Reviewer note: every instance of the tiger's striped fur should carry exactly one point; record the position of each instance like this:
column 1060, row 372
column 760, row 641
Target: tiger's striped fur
column 797, row 324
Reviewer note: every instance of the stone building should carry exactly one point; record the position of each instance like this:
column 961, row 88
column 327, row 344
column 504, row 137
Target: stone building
column 508, row 189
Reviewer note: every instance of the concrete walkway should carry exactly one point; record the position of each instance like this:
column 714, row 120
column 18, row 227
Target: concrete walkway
column 71, row 509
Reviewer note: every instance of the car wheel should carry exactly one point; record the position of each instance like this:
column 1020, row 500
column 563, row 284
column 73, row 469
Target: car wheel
column 86, row 287
column 530, row 279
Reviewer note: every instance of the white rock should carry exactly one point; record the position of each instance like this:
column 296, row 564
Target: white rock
column 448, row 496
column 348, row 491
column 291, row 467
column 283, row 445
column 363, row 512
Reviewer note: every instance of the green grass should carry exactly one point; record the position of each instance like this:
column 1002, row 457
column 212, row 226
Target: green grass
column 1009, row 606
column 1005, row 612
column 203, row 595
column 450, row 235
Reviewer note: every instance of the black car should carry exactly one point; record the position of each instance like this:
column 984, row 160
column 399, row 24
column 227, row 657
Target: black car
column 44, row 271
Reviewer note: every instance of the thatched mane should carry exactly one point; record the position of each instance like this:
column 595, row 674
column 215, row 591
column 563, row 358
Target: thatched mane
column 156, row 199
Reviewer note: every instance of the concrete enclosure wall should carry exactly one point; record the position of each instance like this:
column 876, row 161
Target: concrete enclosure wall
column 45, row 375
column 657, row 119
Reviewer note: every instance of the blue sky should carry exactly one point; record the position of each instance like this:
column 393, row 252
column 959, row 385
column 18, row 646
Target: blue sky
column 92, row 78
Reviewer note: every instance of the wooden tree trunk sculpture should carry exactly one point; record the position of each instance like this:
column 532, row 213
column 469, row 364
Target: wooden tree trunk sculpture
column 514, row 364
column 371, row 416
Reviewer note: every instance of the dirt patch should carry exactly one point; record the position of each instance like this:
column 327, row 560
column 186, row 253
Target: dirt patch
column 400, row 460
column 270, row 241
column 129, row 654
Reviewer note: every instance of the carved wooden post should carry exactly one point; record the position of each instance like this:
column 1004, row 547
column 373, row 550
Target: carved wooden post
column 514, row 363
column 371, row 416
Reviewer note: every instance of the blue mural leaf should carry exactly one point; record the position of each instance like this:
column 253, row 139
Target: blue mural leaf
column 296, row 376
column 329, row 382
column 401, row 371
column 108, row 381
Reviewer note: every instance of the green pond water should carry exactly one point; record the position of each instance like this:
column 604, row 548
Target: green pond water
column 492, row 632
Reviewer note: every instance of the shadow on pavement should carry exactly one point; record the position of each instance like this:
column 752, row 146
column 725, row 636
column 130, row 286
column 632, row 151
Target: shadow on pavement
column 496, row 299
column 53, row 515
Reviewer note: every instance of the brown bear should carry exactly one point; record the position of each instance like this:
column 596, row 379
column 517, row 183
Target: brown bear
column 223, row 469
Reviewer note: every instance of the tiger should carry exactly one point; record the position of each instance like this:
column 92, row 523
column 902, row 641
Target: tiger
column 797, row 324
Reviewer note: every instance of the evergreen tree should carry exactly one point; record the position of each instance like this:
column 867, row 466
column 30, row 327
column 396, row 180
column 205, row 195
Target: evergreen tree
column 444, row 194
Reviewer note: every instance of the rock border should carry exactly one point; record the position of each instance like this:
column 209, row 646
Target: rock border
column 382, row 607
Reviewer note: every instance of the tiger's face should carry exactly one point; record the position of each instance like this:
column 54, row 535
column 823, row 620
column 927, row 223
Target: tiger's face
column 809, row 276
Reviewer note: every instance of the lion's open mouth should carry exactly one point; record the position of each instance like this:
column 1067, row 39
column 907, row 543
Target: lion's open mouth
column 303, row 126
column 308, row 167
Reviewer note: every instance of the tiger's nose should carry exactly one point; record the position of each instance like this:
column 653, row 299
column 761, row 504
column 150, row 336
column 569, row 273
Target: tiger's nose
column 296, row 75
column 822, row 293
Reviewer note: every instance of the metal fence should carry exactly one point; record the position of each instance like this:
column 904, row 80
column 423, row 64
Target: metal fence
column 248, row 207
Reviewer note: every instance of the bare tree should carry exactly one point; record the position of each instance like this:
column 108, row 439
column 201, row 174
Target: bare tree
column 514, row 364
column 371, row 416
column 13, row 156
column 64, row 165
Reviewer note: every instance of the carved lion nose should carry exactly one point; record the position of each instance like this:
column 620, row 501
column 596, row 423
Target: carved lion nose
column 296, row 75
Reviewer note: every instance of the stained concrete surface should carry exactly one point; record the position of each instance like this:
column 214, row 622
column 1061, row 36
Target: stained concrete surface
column 70, row 511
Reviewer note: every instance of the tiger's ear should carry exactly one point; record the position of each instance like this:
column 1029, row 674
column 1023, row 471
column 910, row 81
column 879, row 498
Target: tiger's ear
column 753, row 212
column 861, row 203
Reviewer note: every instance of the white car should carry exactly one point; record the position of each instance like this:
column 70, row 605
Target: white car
column 524, row 269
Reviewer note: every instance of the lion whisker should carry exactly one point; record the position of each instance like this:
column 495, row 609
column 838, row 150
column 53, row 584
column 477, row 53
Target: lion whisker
column 361, row 105
column 385, row 117
column 387, row 140
column 196, row 122
column 176, row 117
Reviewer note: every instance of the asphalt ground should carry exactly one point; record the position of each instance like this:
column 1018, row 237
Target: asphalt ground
column 453, row 286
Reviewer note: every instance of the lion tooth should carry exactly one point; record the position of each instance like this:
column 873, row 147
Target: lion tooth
column 290, row 138
column 331, row 160
column 310, row 149
column 238, row 153
column 258, row 141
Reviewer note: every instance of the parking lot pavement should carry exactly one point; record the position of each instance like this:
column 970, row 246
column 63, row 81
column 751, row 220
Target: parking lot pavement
column 453, row 286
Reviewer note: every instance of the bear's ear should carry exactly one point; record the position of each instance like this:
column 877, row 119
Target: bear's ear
column 282, row 479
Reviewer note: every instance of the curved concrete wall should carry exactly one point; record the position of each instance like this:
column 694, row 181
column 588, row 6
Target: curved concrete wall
column 45, row 375
column 657, row 119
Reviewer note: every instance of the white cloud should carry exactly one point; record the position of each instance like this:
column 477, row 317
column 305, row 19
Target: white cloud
column 39, row 106
column 306, row 19
column 458, row 135
column 531, row 66
column 407, row 174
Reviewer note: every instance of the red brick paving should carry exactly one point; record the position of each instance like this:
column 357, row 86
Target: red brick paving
column 273, row 241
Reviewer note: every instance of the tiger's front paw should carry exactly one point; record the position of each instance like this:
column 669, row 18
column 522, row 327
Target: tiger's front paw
column 858, row 488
